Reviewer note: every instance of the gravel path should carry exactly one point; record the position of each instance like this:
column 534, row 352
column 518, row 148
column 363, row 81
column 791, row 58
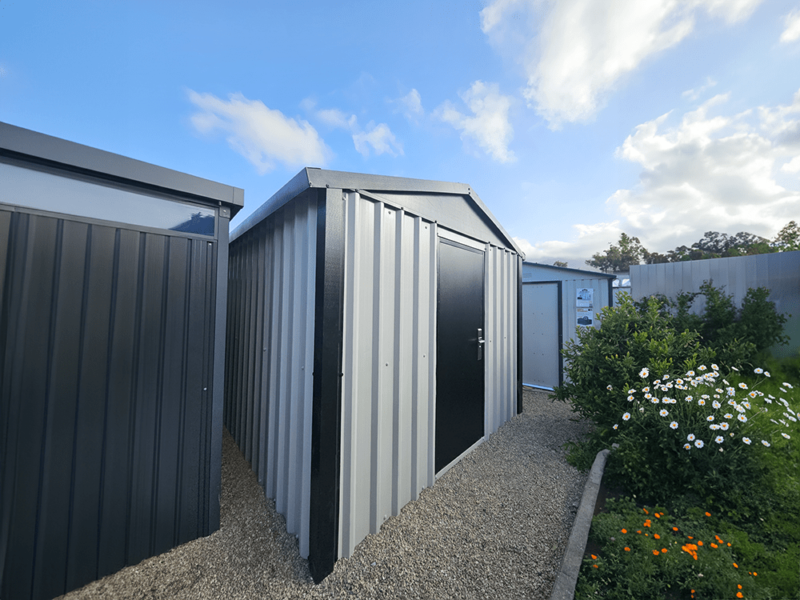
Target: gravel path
column 494, row 526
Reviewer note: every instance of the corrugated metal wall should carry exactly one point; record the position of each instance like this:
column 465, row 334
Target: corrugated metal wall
column 502, row 281
column 270, row 352
column 389, row 364
column 779, row 272
column 106, row 410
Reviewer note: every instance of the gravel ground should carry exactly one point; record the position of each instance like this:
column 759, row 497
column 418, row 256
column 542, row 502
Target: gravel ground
column 495, row 526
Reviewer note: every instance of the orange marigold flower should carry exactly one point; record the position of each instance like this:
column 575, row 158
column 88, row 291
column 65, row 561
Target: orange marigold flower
column 739, row 585
column 624, row 531
column 595, row 566
column 594, row 557
column 627, row 549
column 674, row 529
column 645, row 511
column 638, row 531
column 755, row 574
column 713, row 545
column 655, row 552
column 655, row 535
column 739, row 595
column 658, row 516
column 708, row 514
column 663, row 551
column 729, row 543
column 699, row 542
column 690, row 537
column 647, row 523
column 646, row 535
column 735, row 565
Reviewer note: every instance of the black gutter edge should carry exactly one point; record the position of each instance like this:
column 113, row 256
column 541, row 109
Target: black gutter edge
column 327, row 388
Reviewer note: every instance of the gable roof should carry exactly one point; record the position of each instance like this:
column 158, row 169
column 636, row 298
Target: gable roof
column 452, row 205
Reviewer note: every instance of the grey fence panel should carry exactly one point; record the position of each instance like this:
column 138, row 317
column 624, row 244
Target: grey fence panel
column 778, row 272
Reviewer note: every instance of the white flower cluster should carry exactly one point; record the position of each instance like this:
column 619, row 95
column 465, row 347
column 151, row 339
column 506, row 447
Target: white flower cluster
column 707, row 380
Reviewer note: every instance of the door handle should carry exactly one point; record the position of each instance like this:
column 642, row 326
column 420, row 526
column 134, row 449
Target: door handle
column 481, row 343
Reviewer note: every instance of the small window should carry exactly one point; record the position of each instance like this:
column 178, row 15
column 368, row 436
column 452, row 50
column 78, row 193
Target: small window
column 63, row 194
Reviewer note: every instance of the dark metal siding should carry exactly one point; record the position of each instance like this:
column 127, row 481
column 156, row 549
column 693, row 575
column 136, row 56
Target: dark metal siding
column 106, row 410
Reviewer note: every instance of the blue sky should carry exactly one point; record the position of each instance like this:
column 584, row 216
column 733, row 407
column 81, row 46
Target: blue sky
column 573, row 120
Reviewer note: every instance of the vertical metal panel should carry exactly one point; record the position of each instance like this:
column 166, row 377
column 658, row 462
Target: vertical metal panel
column 388, row 365
column 777, row 272
column 502, row 280
column 106, row 357
column 269, row 356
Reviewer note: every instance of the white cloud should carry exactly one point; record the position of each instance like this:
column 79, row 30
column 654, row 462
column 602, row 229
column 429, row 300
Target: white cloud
column 410, row 106
column 264, row 136
column 379, row 138
column 695, row 93
column 488, row 126
column 791, row 31
column 577, row 51
column 709, row 172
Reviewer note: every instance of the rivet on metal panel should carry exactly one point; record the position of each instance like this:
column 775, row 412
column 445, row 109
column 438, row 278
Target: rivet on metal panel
column 387, row 364
column 205, row 389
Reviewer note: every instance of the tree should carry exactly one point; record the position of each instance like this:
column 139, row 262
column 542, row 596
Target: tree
column 619, row 258
column 788, row 238
column 560, row 263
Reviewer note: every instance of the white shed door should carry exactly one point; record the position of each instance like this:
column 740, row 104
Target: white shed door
column 540, row 334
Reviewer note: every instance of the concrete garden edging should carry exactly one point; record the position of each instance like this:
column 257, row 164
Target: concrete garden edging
column 564, row 588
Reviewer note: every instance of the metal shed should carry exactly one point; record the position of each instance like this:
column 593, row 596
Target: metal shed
column 113, row 290
column 372, row 342
column 555, row 302
column 778, row 272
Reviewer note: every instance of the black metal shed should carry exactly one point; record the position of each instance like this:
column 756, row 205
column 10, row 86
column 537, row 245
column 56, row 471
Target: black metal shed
column 113, row 290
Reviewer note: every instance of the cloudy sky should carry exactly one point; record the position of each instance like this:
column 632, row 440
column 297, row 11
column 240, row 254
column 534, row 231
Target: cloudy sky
column 574, row 120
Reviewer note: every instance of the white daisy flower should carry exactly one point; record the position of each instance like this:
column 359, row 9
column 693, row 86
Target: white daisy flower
column 689, row 398
column 699, row 443
column 766, row 374
column 742, row 418
column 626, row 416
column 758, row 371
column 664, row 412
column 630, row 398
column 766, row 443
column 701, row 368
column 719, row 439
column 644, row 372
column 701, row 402
column 743, row 385
column 687, row 446
column 608, row 387
column 728, row 416
column 690, row 437
column 786, row 435
column 746, row 440
column 715, row 367
column 690, row 374
column 674, row 425
column 713, row 427
column 723, row 426
column 616, row 426
column 715, row 404
column 710, row 418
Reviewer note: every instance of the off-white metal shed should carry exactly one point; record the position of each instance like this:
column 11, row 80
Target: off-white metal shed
column 373, row 339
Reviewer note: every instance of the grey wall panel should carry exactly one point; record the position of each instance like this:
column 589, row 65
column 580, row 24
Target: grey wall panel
column 502, row 281
column 388, row 365
column 270, row 351
column 106, row 357
column 778, row 272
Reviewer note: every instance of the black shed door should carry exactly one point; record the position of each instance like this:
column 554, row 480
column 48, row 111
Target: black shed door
column 459, row 358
